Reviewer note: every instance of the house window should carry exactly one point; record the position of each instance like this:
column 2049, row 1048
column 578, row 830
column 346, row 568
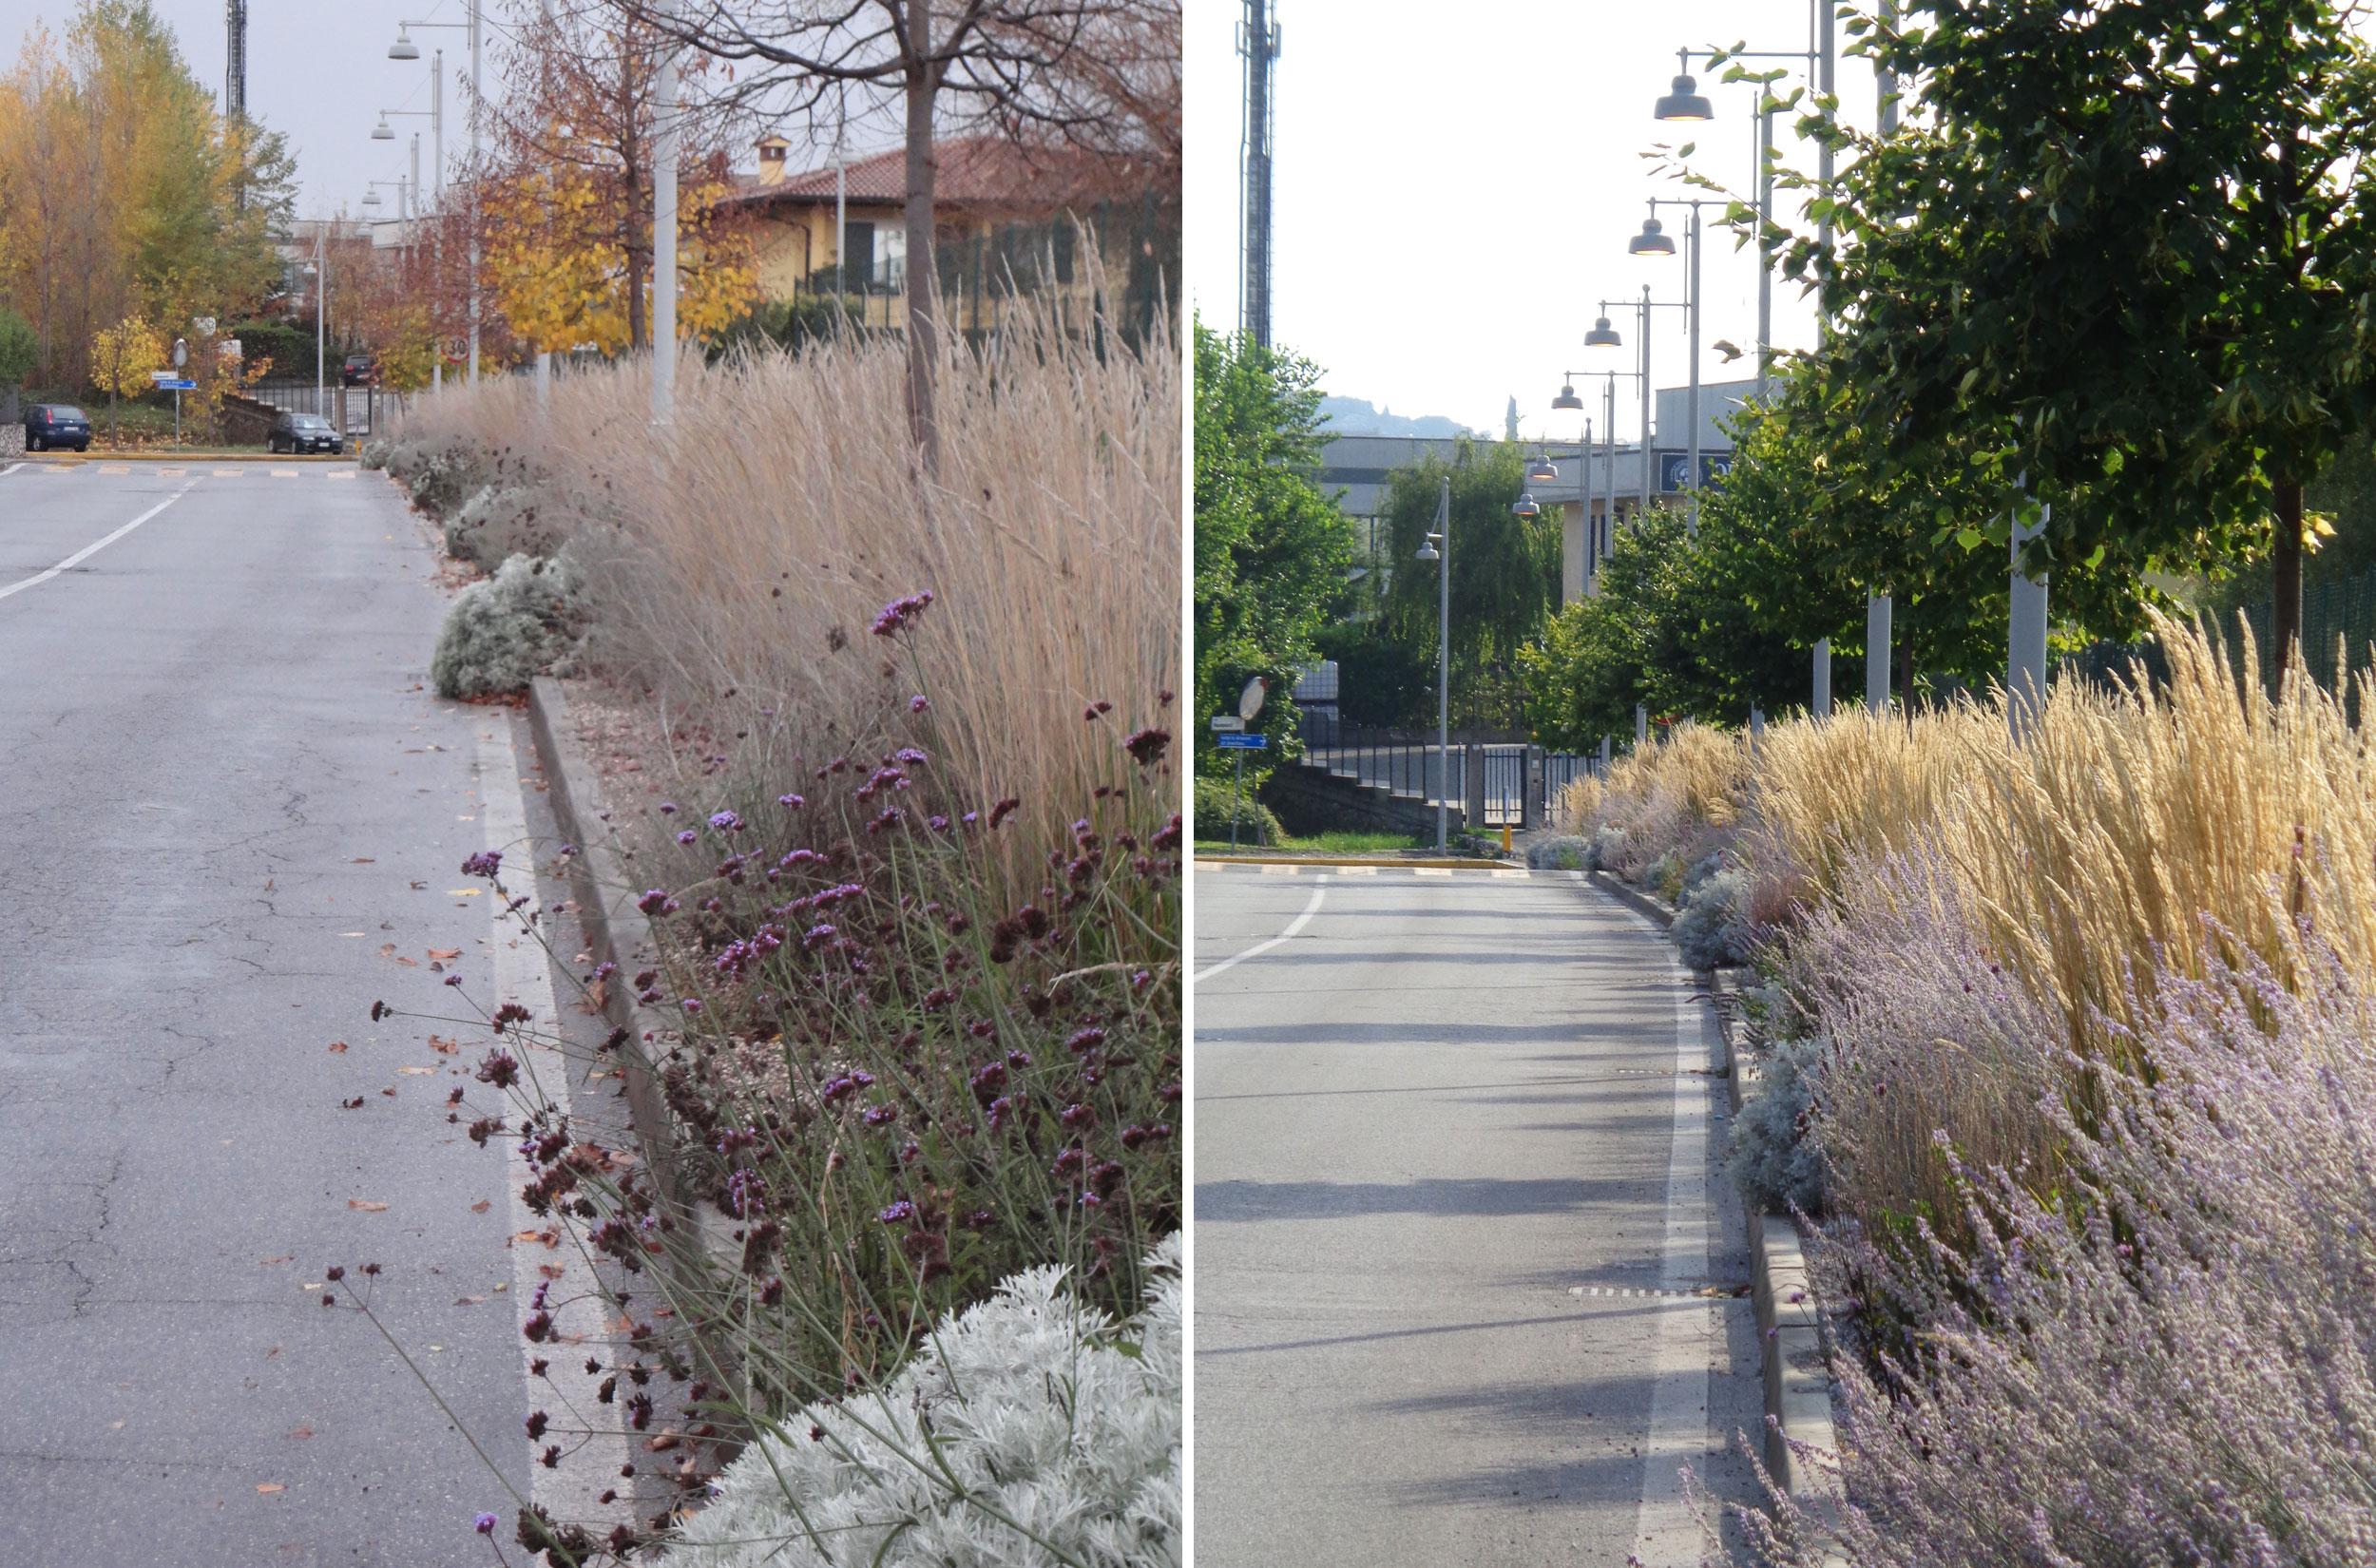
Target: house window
column 891, row 262
column 858, row 262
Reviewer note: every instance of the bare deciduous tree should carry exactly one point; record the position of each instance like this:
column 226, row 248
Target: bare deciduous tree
column 1101, row 75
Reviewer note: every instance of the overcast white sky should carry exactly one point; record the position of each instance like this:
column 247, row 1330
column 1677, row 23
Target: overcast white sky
column 319, row 69
column 1455, row 187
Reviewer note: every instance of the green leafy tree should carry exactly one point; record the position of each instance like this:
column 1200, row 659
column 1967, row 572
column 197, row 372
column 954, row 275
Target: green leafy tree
column 1504, row 583
column 1270, row 550
column 2130, row 279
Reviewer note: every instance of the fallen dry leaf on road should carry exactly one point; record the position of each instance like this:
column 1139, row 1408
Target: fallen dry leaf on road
column 389, row 1093
column 300, row 1433
column 444, row 1047
column 270, row 1487
column 479, row 1208
column 468, row 1300
column 414, row 1070
column 337, row 1045
column 365, row 860
column 387, row 948
column 366, row 1208
column 660, row 1443
column 551, row 1271
column 282, row 1258
column 355, row 1104
column 445, row 952
column 407, row 962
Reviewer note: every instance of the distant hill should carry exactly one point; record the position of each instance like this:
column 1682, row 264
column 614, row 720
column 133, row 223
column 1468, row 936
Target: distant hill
column 1357, row 416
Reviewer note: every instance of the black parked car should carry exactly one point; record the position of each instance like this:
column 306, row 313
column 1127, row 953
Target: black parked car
column 360, row 370
column 302, row 432
column 55, row 424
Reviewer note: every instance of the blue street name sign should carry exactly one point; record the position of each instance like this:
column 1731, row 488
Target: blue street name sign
column 1242, row 742
column 177, row 386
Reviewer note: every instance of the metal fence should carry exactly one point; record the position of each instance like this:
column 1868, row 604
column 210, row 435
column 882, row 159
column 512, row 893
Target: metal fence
column 369, row 409
column 2341, row 611
column 1414, row 767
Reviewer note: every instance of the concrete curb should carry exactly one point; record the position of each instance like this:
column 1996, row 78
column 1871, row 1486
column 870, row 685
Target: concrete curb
column 76, row 460
column 1790, row 1327
column 616, row 932
column 1470, row 862
column 1626, row 892
column 1798, row 1380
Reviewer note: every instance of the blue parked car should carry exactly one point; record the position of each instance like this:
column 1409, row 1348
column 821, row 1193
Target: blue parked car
column 55, row 424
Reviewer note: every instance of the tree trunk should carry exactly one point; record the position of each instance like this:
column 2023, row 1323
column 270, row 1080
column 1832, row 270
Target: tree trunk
column 2284, row 617
column 923, row 272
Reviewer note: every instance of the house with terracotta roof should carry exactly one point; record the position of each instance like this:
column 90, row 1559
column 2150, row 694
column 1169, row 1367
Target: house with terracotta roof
column 1006, row 221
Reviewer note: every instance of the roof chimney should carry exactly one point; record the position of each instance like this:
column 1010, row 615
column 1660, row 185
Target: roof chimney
column 772, row 150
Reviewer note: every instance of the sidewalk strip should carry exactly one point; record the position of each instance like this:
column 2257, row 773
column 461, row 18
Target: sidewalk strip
column 1292, row 927
column 88, row 550
column 1666, row 1532
column 522, row 975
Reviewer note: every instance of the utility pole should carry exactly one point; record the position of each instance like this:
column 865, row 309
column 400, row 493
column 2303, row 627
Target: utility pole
column 477, row 102
column 665, row 226
column 235, row 73
column 1691, row 476
column 1822, row 703
column 1258, row 41
column 234, row 60
column 1878, row 606
column 1437, row 548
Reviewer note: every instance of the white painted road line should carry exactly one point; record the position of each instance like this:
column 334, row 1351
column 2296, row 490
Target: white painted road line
column 522, row 975
column 1292, row 927
column 88, row 550
column 1667, row 1533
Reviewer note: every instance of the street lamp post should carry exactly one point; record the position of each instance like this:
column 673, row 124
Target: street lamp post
column 1429, row 550
column 1653, row 241
column 1598, row 535
column 1605, row 337
column 1821, row 57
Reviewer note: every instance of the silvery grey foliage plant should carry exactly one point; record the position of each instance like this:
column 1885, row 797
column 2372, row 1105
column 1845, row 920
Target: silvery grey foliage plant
column 507, row 630
column 1029, row 1431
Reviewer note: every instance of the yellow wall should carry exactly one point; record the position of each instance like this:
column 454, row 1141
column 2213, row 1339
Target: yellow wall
column 793, row 242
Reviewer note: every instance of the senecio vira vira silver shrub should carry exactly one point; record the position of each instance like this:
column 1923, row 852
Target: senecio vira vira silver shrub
column 2160, row 1352
column 1061, row 1427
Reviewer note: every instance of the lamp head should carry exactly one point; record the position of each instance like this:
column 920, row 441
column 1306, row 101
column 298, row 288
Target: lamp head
column 1602, row 336
column 403, row 49
column 1567, row 398
column 370, row 198
column 1653, row 241
column 383, row 131
column 1524, row 506
column 1542, row 470
column 1427, row 549
column 1684, row 103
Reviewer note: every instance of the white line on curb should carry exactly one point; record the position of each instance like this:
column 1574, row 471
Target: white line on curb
column 1292, row 927
column 88, row 550
column 567, row 1394
column 1666, row 1533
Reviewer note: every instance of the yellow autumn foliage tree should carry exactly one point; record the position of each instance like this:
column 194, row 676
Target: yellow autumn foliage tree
column 558, row 261
column 122, row 358
column 123, row 192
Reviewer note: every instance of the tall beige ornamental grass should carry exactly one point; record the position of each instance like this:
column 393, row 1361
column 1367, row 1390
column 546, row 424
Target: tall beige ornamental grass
column 749, row 547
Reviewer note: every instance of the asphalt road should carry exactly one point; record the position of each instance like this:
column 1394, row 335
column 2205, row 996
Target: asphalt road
column 1454, row 1211
column 228, row 807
